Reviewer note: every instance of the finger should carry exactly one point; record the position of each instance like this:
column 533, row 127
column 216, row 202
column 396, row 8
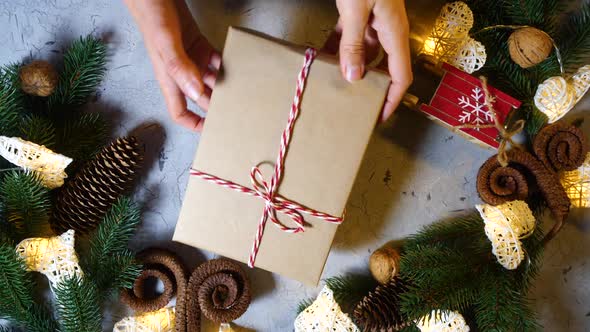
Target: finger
column 209, row 79
column 205, row 99
column 201, row 52
column 215, row 61
column 372, row 46
column 392, row 28
column 180, row 67
column 207, row 59
column 333, row 42
column 173, row 96
column 176, row 105
column 352, row 45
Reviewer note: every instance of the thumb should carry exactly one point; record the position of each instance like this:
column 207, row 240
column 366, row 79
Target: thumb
column 183, row 71
column 352, row 47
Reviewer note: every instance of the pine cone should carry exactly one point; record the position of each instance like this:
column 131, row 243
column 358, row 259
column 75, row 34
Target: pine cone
column 380, row 310
column 83, row 201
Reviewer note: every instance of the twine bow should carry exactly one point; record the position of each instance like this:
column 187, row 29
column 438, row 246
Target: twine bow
column 505, row 134
column 275, row 203
column 268, row 190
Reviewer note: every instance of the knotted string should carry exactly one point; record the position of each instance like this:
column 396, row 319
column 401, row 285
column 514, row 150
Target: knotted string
column 268, row 190
column 506, row 134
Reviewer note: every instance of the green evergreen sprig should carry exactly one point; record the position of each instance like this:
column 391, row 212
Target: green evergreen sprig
column 81, row 136
column 108, row 262
column 12, row 101
column 83, row 70
column 16, row 294
column 26, row 203
column 575, row 46
column 78, row 305
column 450, row 266
column 39, row 130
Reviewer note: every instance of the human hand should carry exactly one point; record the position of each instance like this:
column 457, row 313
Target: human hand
column 362, row 27
column 184, row 62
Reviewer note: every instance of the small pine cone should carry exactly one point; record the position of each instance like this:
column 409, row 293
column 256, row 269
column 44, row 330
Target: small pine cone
column 38, row 78
column 83, row 201
column 380, row 310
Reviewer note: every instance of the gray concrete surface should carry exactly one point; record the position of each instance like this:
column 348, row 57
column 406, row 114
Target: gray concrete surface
column 415, row 172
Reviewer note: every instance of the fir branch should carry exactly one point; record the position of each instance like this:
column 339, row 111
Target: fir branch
column 78, row 305
column 81, row 137
column 439, row 277
column 574, row 42
column 349, row 290
column 39, row 130
column 303, row 304
column 11, row 100
column 543, row 14
column 501, row 307
column 84, row 69
column 108, row 262
column 26, row 202
column 16, row 299
column 16, row 284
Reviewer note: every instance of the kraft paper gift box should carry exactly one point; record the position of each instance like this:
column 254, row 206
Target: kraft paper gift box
column 248, row 112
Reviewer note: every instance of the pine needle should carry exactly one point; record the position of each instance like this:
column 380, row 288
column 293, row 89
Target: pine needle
column 39, row 130
column 83, row 70
column 78, row 305
column 16, row 294
column 108, row 261
column 80, row 137
column 26, row 203
column 11, row 100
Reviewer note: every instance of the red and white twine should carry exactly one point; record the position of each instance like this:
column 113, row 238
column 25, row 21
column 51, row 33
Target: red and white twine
column 267, row 190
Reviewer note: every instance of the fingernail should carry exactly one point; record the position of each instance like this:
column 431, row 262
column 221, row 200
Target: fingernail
column 193, row 92
column 353, row 73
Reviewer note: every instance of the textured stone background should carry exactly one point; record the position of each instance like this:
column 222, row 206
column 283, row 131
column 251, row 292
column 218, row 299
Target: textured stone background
column 414, row 173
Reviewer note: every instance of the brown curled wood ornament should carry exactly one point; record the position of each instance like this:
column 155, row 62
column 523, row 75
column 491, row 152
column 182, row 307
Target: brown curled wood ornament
column 218, row 288
column 497, row 184
column 168, row 268
column 561, row 147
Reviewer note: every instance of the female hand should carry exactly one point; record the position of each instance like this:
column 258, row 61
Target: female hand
column 184, row 62
column 363, row 25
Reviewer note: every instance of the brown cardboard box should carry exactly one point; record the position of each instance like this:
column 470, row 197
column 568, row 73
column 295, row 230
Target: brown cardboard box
column 248, row 113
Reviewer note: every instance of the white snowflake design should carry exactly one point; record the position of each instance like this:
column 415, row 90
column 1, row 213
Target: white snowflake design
column 474, row 109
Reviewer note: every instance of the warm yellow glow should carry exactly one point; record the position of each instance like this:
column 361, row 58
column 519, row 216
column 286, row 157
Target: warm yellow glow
column 443, row 321
column 450, row 42
column 156, row 321
column 505, row 226
column 225, row 327
column 577, row 185
column 55, row 257
column 50, row 166
column 556, row 96
column 429, row 46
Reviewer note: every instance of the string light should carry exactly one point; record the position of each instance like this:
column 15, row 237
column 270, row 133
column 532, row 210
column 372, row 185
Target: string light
column 50, row 166
column 324, row 314
column 450, row 42
column 577, row 184
column 55, row 257
column 156, row 321
column 505, row 226
column 443, row 321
